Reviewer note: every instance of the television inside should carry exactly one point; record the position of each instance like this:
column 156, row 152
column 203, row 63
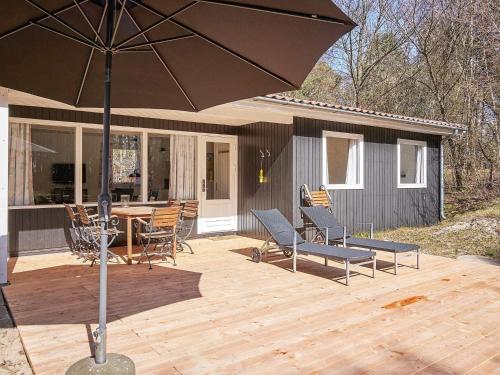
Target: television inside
column 64, row 173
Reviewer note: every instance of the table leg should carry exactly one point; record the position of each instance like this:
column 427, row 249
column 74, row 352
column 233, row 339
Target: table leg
column 129, row 240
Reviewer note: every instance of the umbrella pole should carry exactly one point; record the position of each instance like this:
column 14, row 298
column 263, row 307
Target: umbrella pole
column 102, row 363
column 104, row 196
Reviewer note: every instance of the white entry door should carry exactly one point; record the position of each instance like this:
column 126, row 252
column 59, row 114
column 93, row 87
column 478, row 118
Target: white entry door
column 217, row 168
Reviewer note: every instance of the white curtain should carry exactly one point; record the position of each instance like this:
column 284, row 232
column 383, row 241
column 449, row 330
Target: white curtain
column 419, row 178
column 20, row 165
column 352, row 163
column 182, row 167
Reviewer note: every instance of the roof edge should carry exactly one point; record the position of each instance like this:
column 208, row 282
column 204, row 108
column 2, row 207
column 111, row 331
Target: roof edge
column 322, row 106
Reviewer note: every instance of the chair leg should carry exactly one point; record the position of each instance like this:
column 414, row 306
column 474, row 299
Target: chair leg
column 326, row 262
column 145, row 252
column 395, row 263
column 149, row 261
column 374, row 266
column 418, row 259
column 189, row 246
column 174, row 249
column 294, row 261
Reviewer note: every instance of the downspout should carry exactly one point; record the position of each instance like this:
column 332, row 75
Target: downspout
column 442, row 215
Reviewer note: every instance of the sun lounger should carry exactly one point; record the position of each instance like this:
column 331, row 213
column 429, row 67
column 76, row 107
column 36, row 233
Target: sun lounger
column 291, row 243
column 328, row 227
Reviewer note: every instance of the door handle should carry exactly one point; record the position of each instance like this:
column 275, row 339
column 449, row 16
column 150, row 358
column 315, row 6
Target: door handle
column 203, row 187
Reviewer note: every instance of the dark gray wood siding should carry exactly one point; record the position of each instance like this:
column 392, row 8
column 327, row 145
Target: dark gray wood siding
column 277, row 191
column 295, row 159
column 118, row 120
column 35, row 230
column 380, row 202
column 41, row 230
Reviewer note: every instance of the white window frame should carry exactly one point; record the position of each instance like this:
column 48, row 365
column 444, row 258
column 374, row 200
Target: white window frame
column 423, row 144
column 355, row 136
column 79, row 128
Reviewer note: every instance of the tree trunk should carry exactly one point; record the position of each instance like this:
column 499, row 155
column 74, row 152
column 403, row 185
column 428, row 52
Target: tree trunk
column 457, row 170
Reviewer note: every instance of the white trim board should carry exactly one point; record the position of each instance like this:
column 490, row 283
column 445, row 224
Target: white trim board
column 259, row 109
column 79, row 128
column 4, row 184
column 361, row 158
column 422, row 144
column 349, row 117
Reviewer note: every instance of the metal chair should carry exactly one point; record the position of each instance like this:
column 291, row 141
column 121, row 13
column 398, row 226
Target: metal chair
column 77, row 244
column 187, row 220
column 90, row 229
column 159, row 237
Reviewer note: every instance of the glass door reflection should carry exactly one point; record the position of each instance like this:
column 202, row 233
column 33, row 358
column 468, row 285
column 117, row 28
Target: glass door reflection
column 217, row 171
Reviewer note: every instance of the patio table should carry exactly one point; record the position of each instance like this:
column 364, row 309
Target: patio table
column 129, row 214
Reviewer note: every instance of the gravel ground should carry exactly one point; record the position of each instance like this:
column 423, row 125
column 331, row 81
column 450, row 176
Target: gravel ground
column 13, row 360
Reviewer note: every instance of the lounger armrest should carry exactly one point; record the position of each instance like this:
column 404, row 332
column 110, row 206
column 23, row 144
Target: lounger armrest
column 371, row 228
column 327, row 236
column 294, row 244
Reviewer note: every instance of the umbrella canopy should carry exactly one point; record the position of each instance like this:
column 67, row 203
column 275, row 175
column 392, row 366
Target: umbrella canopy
column 176, row 54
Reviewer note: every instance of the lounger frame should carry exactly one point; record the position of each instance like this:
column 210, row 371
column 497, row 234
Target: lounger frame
column 264, row 250
column 344, row 242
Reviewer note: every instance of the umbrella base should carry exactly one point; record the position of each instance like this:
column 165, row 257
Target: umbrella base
column 116, row 364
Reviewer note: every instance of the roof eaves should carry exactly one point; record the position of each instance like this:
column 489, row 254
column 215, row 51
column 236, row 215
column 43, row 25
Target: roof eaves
column 316, row 104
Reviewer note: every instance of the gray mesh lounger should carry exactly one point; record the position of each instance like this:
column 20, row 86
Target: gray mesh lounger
column 291, row 243
column 328, row 226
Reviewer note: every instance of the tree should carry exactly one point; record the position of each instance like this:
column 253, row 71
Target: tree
column 322, row 84
column 436, row 59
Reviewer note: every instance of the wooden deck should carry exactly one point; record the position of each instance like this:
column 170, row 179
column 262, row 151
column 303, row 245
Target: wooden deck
column 219, row 313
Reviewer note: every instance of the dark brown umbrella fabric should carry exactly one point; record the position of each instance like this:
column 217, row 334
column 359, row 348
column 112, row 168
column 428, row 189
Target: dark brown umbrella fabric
column 192, row 55
column 167, row 54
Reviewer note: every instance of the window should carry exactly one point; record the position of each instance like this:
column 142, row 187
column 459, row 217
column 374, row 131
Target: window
column 342, row 160
column 125, row 165
column 217, row 172
column 158, row 167
column 41, row 165
column 412, row 164
column 61, row 163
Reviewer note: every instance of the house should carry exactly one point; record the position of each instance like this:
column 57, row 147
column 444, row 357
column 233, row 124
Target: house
column 254, row 153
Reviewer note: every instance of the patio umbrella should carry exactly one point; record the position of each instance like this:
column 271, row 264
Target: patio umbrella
column 178, row 54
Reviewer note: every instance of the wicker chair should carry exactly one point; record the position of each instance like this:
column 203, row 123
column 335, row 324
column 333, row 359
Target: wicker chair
column 159, row 237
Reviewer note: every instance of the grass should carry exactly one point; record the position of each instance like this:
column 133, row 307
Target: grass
column 474, row 232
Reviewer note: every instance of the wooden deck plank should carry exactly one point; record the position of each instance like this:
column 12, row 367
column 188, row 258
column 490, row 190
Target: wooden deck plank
column 218, row 312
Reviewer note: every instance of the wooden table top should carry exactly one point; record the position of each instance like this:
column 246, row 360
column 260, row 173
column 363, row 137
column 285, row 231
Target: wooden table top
column 132, row 211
